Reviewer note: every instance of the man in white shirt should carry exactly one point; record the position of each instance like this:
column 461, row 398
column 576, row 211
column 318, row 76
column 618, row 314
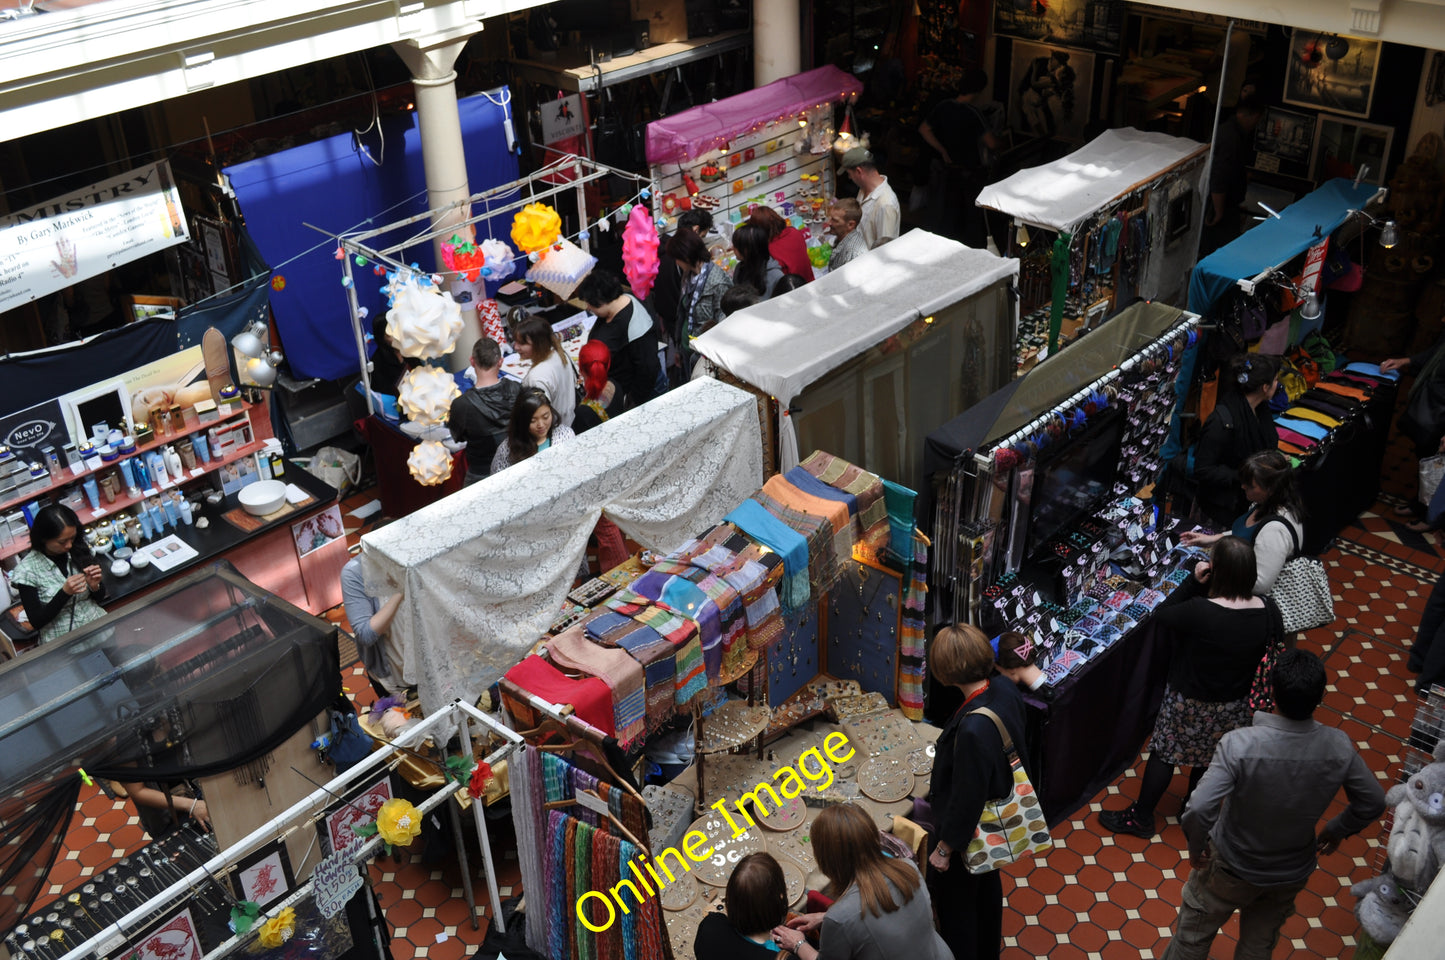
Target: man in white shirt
column 881, row 213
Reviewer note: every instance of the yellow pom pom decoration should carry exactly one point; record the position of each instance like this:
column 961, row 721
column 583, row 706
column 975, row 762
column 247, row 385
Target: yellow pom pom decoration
column 536, row 227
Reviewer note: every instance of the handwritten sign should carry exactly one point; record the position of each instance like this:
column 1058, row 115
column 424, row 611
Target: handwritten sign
column 68, row 239
column 336, row 880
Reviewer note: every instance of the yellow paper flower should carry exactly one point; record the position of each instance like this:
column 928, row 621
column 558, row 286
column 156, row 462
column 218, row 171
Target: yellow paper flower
column 398, row 822
column 535, row 227
column 279, row 928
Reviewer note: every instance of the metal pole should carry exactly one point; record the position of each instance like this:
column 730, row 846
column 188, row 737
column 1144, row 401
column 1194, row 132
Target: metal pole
column 480, row 818
column 1208, row 204
column 582, row 205
column 357, row 331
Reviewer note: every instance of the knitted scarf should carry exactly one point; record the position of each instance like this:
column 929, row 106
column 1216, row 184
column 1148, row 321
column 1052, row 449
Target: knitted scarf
column 912, row 668
column 755, row 521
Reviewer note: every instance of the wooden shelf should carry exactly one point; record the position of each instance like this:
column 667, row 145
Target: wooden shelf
column 124, row 500
column 71, row 478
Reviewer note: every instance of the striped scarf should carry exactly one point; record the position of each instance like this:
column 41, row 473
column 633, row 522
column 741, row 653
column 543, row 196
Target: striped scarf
column 557, row 881
column 571, row 650
column 691, row 678
column 817, row 532
column 659, row 670
column 867, row 488
column 525, row 767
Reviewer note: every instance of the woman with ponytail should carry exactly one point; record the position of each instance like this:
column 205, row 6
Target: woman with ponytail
column 600, row 399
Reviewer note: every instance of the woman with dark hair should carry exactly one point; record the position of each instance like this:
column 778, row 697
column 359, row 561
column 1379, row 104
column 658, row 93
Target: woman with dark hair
column 551, row 370
column 881, row 908
column 625, row 327
column 970, row 769
column 757, row 902
column 703, row 286
column 1219, row 636
column 1274, row 522
column 756, row 266
column 533, row 428
column 788, row 283
column 785, row 242
column 58, row 580
column 1240, row 425
column 1018, row 659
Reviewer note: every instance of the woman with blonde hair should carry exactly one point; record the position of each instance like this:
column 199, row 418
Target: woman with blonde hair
column 882, row 910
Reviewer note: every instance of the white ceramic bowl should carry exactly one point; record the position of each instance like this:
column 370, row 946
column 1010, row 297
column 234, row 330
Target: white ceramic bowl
column 263, row 497
column 119, row 569
column 140, row 560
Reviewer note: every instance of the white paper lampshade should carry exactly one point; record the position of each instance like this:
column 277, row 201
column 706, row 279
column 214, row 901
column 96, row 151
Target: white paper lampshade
column 427, row 394
column 562, row 267
column 424, row 322
column 430, row 463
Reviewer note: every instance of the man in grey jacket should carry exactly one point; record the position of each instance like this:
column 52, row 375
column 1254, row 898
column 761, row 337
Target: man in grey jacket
column 1256, row 853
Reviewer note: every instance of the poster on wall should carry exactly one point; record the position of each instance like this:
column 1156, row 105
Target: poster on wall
column 34, row 428
column 179, row 379
column 318, row 531
column 1343, row 147
column 1284, row 137
column 176, row 939
column 1328, row 72
column 1083, row 24
column 1049, row 91
column 58, row 243
column 359, row 811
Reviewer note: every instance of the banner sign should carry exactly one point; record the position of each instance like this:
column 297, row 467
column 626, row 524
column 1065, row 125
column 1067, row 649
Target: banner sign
column 89, row 232
column 26, row 432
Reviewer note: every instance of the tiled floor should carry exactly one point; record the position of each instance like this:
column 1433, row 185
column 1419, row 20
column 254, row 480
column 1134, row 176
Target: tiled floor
column 1096, row 895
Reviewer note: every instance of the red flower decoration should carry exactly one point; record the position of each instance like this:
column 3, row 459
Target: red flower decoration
column 278, row 282
column 481, row 776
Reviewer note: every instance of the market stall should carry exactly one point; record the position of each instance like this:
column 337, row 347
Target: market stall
column 772, row 146
column 1037, row 529
column 485, row 570
column 827, row 628
column 1110, row 223
column 1257, row 290
column 865, row 360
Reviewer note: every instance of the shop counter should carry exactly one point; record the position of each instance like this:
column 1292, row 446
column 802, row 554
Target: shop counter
column 1098, row 721
column 266, row 555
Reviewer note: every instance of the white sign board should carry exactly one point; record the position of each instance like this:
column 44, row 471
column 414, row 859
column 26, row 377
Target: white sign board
column 336, row 880
column 562, row 118
column 86, row 233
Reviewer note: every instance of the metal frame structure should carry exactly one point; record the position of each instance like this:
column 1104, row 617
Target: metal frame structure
column 581, row 170
column 307, row 810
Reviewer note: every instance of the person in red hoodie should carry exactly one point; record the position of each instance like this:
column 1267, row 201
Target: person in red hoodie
column 785, row 242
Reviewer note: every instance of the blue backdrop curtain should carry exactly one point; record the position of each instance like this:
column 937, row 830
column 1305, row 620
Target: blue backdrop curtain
column 336, row 186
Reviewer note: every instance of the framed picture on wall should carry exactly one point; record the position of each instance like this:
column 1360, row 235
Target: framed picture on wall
column 1090, row 25
column 1050, row 89
column 1286, row 134
column 265, row 876
column 1343, row 146
column 1330, row 72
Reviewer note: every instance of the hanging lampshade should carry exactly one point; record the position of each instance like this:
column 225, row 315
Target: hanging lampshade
column 426, row 395
column 430, row 463
column 424, row 322
column 250, row 342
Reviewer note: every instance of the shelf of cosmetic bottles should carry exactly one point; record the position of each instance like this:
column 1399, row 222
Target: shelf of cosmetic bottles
column 69, row 477
column 124, row 499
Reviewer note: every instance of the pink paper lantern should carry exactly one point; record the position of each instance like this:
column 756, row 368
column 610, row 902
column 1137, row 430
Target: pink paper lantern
column 639, row 250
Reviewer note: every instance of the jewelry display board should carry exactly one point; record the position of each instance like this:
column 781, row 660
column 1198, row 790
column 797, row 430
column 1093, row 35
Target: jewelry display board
column 793, row 661
column 865, row 619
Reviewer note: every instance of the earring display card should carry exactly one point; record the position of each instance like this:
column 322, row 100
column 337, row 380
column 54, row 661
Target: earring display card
column 864, row 624
column 793, row 660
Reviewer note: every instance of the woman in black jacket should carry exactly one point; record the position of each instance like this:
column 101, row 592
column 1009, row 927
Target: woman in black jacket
column 970, row 769
column 1241, row 424
column 1219, row 639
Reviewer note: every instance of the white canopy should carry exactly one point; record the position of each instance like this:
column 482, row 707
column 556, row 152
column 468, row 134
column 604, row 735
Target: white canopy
column 783, row 344
column 485, row 570
column 1062, row 194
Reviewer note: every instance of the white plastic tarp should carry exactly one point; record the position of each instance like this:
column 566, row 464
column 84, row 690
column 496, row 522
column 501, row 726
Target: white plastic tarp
column 782, row 345
column 485, row 570
column 1062, row 194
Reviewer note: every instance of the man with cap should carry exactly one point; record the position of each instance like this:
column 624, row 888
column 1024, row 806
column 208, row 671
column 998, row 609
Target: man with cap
column 881, row 213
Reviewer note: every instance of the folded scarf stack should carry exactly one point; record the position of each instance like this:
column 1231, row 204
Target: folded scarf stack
column 823, row 566
column 753, row 519
column 680, row 632
column 572, row 651
column 867, row 488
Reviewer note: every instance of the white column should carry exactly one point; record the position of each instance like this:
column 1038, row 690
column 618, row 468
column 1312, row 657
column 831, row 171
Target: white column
column 431, row 60
column 777, row 40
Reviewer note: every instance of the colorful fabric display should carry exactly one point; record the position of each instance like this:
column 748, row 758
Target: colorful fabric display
column 823, row 566
column 1296, row 440
column 1372, row 370
column 834, row 513
column 602, row 624
column 590, row 698
column 571, row 650
column 1306, row 413
column 696, row 562
column 867, row 488
column 808, row 483
column 754, row 520
column 912, row 667
column 684, row 598
column 1343, row 390
column 659, row 672
column 754, row 573
column 680, row 632
column 1306, row 427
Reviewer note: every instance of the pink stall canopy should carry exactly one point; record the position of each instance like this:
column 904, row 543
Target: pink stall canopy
column 686, row 136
